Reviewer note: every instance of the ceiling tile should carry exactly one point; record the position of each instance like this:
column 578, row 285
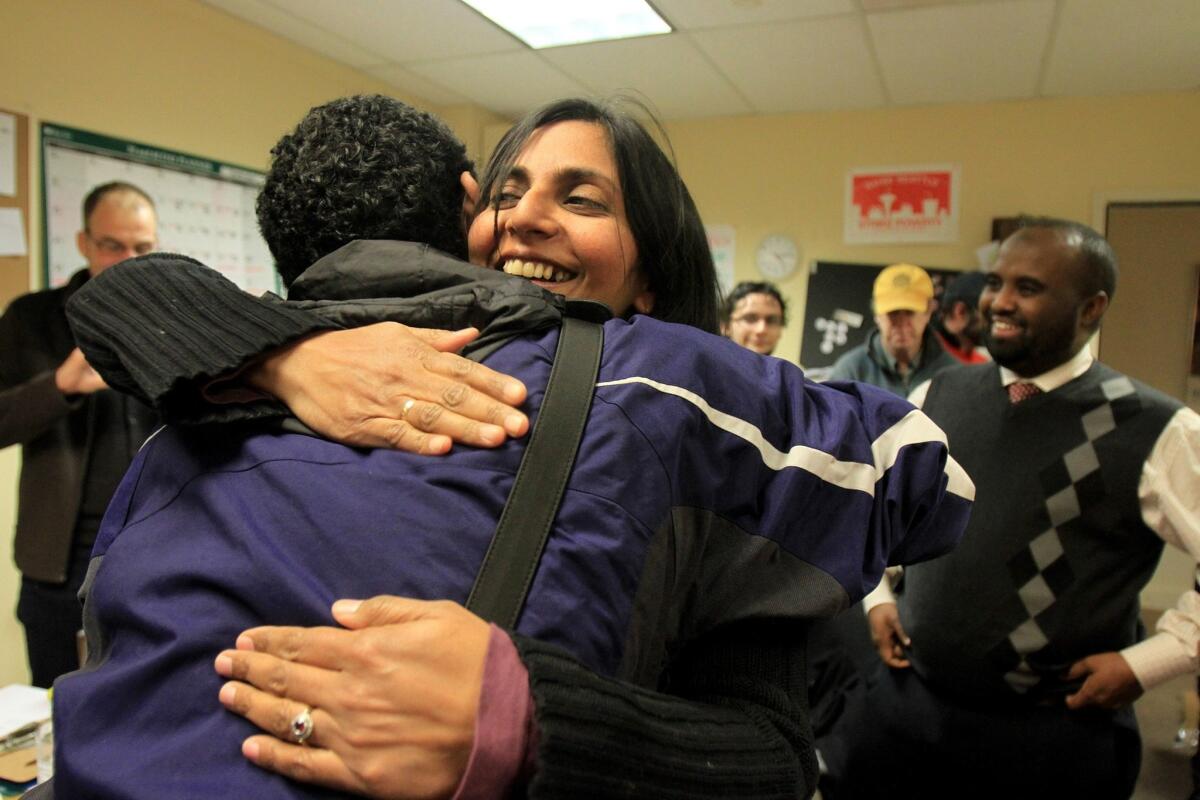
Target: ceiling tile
column 695, row 14
column 797, row 66
column 962, row 53
column 300, row 31
column 1108, row 46
column 892, row 5
column 407, row 30
column 409, row 83
column 764, row 56
column 669, row 71
column 507, row 83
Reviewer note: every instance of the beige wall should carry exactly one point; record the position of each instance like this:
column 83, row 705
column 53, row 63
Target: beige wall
column 786, row 174
column 177, row 74
column 13, row 668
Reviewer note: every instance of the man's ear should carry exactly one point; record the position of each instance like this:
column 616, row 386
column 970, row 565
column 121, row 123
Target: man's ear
column 1093, row 310
column 470, row 194
column 81, row 241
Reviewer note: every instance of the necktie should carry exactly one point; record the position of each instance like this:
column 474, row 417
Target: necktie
column 1022, row 390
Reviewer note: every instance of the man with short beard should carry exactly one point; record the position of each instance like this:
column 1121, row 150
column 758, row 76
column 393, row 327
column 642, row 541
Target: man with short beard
column 1009, row 665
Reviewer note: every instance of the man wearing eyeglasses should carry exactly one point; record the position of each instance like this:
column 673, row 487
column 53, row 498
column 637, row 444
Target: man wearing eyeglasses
column 754, row 315
column 77, row 437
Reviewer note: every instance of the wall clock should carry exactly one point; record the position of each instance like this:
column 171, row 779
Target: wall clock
column 777, row 257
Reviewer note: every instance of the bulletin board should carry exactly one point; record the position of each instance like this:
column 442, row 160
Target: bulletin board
column 205, row 207
column 14, row 206
column 837, row 313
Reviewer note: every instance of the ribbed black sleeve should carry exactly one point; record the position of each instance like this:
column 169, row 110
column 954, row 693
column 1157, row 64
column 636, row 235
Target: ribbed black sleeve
column 161, row 326
column 734, row 723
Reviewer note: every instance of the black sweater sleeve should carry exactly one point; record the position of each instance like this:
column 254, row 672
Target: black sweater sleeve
column 731, row 721
column 161, row 326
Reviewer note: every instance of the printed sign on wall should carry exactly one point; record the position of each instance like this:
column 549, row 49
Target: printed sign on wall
column 722, row 243
column 902, row 204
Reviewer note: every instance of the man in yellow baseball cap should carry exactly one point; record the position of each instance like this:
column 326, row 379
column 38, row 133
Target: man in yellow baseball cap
column 903, row 352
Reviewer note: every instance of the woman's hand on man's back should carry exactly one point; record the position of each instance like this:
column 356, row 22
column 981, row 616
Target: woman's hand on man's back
column 389, row 385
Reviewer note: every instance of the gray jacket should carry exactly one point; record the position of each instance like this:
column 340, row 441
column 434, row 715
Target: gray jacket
column 870, row 363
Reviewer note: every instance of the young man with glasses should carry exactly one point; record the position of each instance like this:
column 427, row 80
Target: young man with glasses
column 754, row 316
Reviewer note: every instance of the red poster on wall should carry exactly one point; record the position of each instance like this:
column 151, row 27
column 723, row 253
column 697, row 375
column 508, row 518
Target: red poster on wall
column 902, row 204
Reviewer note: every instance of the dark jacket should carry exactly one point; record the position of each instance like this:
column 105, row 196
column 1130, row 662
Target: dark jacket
column 55, row 432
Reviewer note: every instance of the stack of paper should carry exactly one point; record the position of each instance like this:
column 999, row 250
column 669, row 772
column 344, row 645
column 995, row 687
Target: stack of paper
column 21, row 709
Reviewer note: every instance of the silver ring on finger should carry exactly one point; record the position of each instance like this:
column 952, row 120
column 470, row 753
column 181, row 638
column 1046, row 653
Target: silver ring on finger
column 407, row 407
column 301, row 726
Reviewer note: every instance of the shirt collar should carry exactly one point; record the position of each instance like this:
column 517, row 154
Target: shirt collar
column 892, row 363
column 1054, row 377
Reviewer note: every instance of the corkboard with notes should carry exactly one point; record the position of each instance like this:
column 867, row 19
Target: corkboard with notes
column 14, row 206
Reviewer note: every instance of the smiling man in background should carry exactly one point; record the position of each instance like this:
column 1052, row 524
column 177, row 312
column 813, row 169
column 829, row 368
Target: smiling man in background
column 1011, row 663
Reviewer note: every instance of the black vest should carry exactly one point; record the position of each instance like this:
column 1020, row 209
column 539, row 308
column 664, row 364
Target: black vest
column 1056, row 552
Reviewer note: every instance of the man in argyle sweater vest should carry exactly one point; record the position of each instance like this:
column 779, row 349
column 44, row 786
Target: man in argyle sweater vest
column 1009, row 665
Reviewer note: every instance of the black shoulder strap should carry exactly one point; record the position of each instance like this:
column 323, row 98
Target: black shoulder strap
column 512, row 558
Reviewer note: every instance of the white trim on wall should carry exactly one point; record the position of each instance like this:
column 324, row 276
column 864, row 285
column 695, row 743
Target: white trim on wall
column 1102, row 200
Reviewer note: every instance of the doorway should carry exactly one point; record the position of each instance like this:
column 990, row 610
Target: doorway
column 1148, row 330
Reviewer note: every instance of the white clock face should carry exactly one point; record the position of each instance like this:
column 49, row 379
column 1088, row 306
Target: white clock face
column 777, row 257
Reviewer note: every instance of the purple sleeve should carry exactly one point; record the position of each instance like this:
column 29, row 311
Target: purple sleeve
column 504, row 725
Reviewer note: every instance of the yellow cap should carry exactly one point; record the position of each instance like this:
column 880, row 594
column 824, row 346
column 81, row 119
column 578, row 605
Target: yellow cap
column 902, row 287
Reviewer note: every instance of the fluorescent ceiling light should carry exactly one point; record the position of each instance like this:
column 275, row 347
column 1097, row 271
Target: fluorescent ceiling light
column 551, row 23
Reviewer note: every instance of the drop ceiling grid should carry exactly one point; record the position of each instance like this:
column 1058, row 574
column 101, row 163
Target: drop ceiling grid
column 771, row 56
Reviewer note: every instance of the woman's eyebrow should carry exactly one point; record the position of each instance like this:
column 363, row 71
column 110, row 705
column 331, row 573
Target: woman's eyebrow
column 517, row 173
column 584, row 175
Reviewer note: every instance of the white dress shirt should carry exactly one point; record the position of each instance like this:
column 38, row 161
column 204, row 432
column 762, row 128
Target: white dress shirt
column 1169, row 495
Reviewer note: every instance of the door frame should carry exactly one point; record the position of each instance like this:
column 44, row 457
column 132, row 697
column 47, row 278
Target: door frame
column 1103, row 199
column 1174, row 570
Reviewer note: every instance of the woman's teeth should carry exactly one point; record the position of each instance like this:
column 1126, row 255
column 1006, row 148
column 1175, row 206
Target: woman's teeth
column 532, row 269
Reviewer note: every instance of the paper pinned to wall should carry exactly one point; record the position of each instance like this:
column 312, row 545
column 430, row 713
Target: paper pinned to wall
column 8, row 155
column 12, row 233
column 722, row 242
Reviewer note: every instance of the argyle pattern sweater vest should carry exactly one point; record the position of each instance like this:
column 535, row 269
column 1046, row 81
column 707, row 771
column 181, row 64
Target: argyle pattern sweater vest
column 1056, row 551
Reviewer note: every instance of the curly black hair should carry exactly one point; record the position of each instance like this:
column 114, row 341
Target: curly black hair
column 362, row 167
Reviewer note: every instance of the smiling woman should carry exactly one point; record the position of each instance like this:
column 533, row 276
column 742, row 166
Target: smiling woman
column 559, row 217
column 588, row 179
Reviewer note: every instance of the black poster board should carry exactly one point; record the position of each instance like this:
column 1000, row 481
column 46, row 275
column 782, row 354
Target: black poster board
column 837, row 314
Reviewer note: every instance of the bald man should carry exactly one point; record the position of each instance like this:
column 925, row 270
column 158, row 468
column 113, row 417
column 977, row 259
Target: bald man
column 77, row 437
